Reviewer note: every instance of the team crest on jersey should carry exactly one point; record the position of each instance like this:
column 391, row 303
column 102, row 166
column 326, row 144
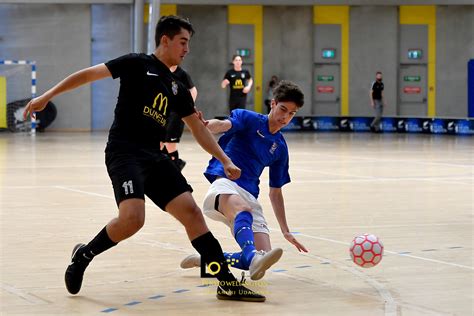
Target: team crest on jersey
column 174, row 88
column 273, row 148
column 242, row 75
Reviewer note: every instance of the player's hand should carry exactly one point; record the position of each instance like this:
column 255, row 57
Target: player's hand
column 201, row 117
column 232, row 171
column 246, row 90
column 289, row 236
column 35, row 105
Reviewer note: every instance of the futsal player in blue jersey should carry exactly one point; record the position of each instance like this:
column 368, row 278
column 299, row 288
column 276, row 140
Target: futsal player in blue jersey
column 253, row 141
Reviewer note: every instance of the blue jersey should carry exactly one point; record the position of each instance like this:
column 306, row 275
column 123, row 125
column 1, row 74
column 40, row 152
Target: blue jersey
column 252, row 147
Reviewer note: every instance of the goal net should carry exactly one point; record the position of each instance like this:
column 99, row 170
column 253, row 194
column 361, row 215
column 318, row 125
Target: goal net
column 17, row 87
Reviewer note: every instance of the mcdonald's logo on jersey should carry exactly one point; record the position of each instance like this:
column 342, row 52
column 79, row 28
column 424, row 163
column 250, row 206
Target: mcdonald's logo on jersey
column 163, row 102
column 159, row 115
column 238, row 84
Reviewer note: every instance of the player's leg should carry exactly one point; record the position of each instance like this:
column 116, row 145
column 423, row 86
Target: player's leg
column 129, row 194
column 171, row 192
column 226, row 202
column 246, row 214
column 186, row 211
column 262, row 241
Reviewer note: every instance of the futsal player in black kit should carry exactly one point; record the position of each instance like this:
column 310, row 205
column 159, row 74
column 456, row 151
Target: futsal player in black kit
column 240, row 82
column 148, row 94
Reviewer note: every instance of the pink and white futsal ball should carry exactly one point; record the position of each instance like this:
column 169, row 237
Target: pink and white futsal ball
column 366, row 250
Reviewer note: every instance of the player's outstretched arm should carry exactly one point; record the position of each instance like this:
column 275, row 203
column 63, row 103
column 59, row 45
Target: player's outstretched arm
column 209, row 144
column 218, row 126
column 73, row 81
column 278, row 205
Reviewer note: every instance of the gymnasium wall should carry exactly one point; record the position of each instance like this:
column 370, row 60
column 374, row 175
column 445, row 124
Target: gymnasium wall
column 373, row 46
column 287, row 47
column 455, row 46
column 58, row 37
column 208, row 62
column 64, row 38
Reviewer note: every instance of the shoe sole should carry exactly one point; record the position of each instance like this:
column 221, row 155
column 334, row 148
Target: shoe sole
column 240, row 298
column 273, row 256
column 188, row 265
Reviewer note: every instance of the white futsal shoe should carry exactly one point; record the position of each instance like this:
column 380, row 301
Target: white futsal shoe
column 191, row 261
column 262, row 261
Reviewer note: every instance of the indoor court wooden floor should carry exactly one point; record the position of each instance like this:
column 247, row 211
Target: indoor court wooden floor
column 414, row 191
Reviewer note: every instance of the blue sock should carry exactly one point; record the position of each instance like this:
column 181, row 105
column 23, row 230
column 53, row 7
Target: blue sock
column 235, row 260
column 244, row 236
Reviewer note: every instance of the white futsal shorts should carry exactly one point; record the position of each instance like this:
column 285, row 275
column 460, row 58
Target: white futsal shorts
column 226, row 186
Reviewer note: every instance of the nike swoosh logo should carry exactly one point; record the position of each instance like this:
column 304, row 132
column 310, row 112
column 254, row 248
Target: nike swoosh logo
column 227, row 292
column 151, row 74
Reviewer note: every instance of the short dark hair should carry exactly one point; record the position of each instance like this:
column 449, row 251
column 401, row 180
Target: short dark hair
column 378, row 73
column 235, row 56
column 171, row 25
column 287, row 91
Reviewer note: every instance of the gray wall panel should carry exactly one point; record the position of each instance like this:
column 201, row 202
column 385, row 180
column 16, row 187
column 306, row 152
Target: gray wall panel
column 373, row 46
column 455, row 46
column 288, row 47
column 111, row 37
column 207, row 62
column 58, row 38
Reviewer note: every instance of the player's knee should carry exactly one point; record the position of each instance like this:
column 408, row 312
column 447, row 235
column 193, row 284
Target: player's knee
column 196, row 217
column 133, row 221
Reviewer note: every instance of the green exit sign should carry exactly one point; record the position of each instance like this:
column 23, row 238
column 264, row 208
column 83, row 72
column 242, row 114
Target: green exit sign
column 244, row 52
column 328, row 53
column 415, row 53
column 325, row 78
column 411, row 78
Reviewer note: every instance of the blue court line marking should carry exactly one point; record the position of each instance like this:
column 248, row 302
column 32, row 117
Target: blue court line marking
column 301, row 267
column 295, row 233
column 326, row 262
column 132, row 303
column 156, row 297
column 109, row 310
column 204, row 285
column 279, row 270
column 429, row 249
column 455, row 247
column 404, row 252
column 180, row 291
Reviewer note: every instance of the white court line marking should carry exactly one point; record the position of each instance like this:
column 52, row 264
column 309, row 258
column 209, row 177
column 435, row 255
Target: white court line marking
column 373, row 178
column 83, row 192
column 390, row 306
column 30, row 298
column 380, row 226
column 95, row 194
column 394, row 253
column 351, row 157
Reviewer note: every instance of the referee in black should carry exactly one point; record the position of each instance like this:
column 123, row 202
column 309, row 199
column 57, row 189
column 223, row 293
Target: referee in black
column 377, row 101
column 148, row 94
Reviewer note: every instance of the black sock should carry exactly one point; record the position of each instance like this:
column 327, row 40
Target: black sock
column 96, row 246
column 174, row 155
column 211, row 251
